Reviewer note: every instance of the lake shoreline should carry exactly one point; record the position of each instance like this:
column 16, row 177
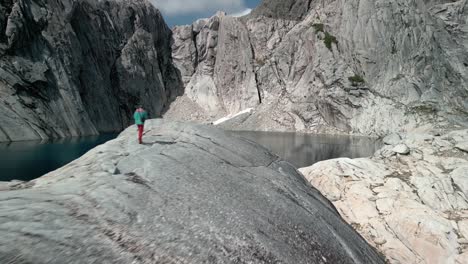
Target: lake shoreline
column 300, row 149
column 188, row 194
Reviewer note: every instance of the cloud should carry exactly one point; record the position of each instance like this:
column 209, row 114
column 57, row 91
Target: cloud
column 183, row 7
column 242, row 13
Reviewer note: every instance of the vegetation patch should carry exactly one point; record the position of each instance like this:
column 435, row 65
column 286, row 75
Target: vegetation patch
column 260, row 61
column 425, row 108
column 329, row 40
column 394, row 51
column 319, row 27
column 356, row 80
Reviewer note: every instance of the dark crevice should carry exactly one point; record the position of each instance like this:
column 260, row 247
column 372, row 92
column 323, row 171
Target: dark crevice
column 456, row 187
column 135, row 178
column 291, row 5
column 5, row 133
column 194, row 40
column 5, row 11
column 115, row 86
column 255, row 72
column 309, row 4
column 159, row 143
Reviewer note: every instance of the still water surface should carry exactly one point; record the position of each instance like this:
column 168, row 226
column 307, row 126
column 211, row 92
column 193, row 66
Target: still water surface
column 303, row 150
column 29, row 160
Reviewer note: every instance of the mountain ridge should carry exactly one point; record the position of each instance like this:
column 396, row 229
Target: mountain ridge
column 357, row 67
column 360, row 67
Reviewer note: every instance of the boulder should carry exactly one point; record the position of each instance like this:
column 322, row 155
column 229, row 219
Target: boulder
column 189, row 194
column 460, row 179
column 392, row 139
column 457, row 136
column 463, row 146
column 401, row 149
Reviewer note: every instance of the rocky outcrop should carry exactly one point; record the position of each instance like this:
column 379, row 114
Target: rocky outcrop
column 365, row 67
column 215, row 59
column 190, row 194
column 71, row 68
column 412, row 207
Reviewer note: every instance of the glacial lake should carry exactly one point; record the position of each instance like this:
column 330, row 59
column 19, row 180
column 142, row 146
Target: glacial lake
column 32, row 159
column 303, row 150
column 29, row 160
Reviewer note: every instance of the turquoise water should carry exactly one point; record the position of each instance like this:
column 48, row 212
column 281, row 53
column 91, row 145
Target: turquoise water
column 31, row 159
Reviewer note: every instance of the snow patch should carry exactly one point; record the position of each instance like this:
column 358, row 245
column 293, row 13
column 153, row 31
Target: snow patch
column 226, row 118
column 242, row 13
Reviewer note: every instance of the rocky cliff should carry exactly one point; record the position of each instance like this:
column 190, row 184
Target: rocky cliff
column 190, row 194
column 367, row 67
column 78, row 67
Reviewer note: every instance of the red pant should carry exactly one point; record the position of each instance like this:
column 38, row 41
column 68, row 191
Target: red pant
column 140, row 133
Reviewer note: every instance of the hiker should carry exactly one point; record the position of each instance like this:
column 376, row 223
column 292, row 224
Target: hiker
column 140, row 117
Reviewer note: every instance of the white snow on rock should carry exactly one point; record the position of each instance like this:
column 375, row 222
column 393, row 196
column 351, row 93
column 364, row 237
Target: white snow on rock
column 229, row 117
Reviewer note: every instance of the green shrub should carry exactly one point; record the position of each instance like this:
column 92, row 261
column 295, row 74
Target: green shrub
column 260, row 61
column 329, row 40
column 356, row 80
column 318, row 27
column 425, row 108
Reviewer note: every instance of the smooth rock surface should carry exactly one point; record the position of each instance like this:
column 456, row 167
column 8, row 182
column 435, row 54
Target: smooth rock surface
column 79, row 67
column 413, row 208
column 189, row 194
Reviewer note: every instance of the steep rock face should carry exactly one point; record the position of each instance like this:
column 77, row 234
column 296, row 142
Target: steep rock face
column 72, row 68
column 190, row 194
column 215, row 58
column 412, row 206
column 368, row 67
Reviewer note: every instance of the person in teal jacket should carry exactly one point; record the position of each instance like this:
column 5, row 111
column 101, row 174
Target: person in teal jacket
column 140, row 117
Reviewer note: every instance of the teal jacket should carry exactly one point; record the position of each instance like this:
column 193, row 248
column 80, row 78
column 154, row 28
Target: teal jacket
column 140, row 116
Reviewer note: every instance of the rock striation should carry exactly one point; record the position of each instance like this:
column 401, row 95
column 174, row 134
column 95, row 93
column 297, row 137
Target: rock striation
column 190, row 194
column 364, row 67
column 412, row 207
column 78, row 67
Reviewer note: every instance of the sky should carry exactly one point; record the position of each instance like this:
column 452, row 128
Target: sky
column 184, row 12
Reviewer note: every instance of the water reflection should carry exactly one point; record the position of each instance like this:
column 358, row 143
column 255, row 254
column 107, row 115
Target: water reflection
column 303, row 150
column 31, row 159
